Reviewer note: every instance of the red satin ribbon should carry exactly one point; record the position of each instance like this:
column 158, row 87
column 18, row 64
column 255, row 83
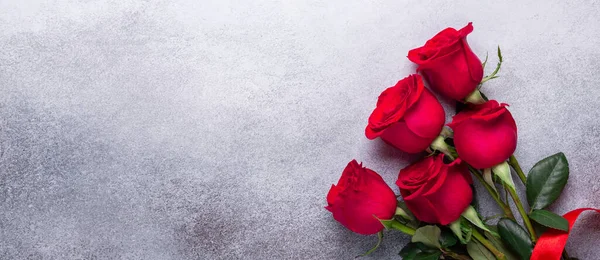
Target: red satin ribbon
column 552, row 242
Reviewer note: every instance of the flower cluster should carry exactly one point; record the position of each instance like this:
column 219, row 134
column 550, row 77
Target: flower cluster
column 436, row 207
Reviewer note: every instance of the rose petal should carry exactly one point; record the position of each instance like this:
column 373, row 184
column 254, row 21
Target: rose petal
column 360, row 195
column 484, row 144
column 475, row 67
column 448, row 63
column 423, row 209
column 332, row 194
column 426, row 117
column 486, row 111
column 440, row 44
column 463, row 32
column 393, row 103
column 439, row 175
column 401, row 137
column 452, row 198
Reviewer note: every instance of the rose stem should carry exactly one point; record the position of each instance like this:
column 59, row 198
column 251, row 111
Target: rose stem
column 503, row 206
column 455, row 255
column 523, row 213
column 512, row 160
column 488, row 245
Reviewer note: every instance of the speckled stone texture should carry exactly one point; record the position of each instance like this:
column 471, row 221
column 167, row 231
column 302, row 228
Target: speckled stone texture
column 192, row 129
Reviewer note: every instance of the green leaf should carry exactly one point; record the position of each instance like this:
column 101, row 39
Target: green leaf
column 515, row 237
column 380, row 238
column 428, row 255
column 428, row 235
column 546, row 180
column 426, row 248
column 447, row 239
column 409, row 251
column 413, row 251
column 549, row 219
column 539, row 229
column 478, row 252
column 499, row 245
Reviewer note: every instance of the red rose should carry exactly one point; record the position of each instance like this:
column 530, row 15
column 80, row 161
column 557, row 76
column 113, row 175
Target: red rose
column 436, row 192
column 360, row 195
column 448, row 63
column 484, row 135
column 407, row 116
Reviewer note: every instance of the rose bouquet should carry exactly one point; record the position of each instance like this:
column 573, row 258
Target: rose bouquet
column 436, row 202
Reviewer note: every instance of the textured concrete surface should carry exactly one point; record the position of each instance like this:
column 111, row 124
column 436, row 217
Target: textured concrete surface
column 213, row 129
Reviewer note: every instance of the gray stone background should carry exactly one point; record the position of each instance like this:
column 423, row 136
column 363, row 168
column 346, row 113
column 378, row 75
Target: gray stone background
column 213, row 129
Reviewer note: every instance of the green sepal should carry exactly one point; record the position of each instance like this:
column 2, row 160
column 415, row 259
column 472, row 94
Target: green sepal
column 503, row 172
column 471, row 215
column 487, row 176
column 477, row 251
column 493, row 75
column 485, row 61
column 406, row 215
column 395, row 225
column 462, row 230
column 499, row 54
column 400, row 212
column 475, row 98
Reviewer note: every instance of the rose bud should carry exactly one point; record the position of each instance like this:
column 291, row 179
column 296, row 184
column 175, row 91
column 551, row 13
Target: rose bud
column 360, row 196
column 448, row 64
column 436, row 192
column 484, row 135
column 407, row 116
